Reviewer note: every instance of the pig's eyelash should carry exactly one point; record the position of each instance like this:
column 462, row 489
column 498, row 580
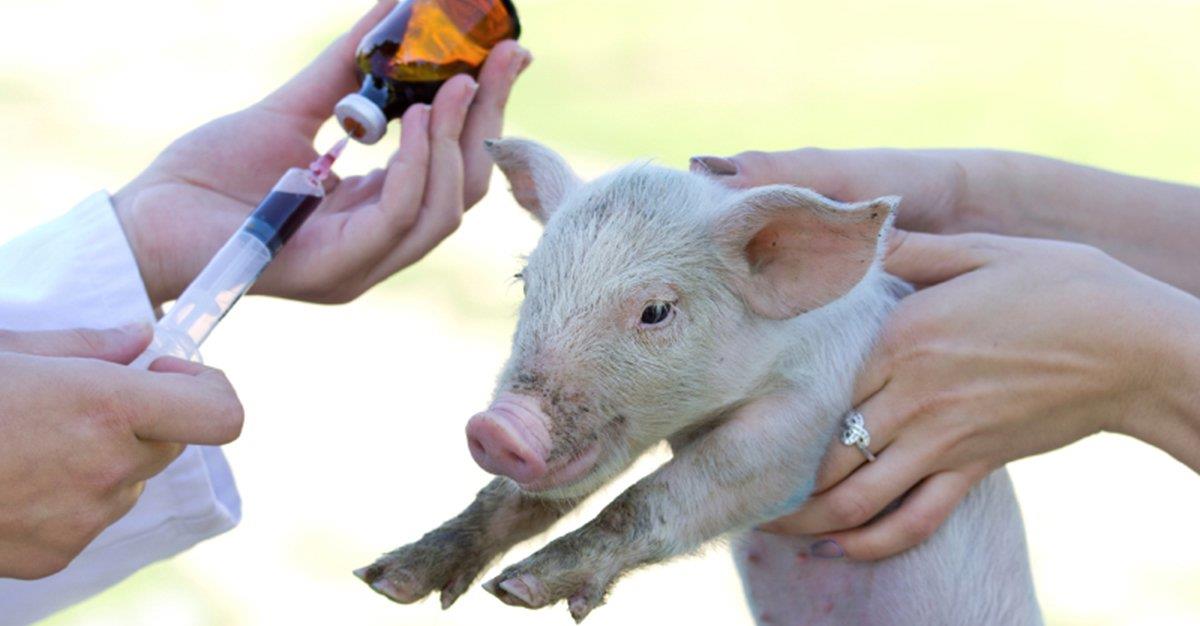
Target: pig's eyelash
column 519, row 279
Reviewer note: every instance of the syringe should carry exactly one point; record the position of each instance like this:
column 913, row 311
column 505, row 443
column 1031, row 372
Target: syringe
column 240, row 262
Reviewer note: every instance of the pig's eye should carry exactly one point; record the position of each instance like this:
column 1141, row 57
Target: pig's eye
column 656, row 313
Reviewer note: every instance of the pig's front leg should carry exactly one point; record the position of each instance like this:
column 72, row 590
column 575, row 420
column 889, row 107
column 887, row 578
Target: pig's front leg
column 758, row 464
column 451, row 557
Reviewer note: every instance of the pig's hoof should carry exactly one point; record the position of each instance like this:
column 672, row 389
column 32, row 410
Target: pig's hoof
column 519, row 590
column 456, row 587
column 586, row 599
column 583, row 591
column 396, row 585
column 524, row 590
column 413, row 572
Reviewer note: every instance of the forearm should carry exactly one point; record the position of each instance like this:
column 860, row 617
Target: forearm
column 1150, row 225
column 1170, row 418
column 1186, row 409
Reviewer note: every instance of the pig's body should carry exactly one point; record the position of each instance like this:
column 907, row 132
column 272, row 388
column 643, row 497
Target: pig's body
column 973, row 570
column 661, row 305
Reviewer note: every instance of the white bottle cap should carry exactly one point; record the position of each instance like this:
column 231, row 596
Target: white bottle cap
column 367, row 123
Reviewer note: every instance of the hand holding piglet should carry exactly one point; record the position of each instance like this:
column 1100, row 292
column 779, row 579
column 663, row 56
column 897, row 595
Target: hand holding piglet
column 661, row 305
column 1022, row 345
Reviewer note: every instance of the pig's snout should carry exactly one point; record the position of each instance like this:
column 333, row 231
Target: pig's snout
column 511, row 438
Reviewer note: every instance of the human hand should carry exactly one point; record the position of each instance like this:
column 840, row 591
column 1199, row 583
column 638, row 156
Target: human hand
column 1020, row 347
column 80, row 434
column 932, row 182
column 179, row 211
column 1148, row 224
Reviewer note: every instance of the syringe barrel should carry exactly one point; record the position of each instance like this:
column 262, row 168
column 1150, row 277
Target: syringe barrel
column 226, row 278
column 234, row 268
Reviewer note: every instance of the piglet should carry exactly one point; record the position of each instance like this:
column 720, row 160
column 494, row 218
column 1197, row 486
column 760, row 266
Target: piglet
column 731, row 323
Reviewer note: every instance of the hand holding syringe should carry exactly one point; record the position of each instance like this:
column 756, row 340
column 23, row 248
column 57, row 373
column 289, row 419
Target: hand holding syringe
column 416, row 51
column 240, row 261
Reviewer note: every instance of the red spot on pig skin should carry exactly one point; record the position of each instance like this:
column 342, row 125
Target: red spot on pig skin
column 827, row 607
column 802, row 556
column 754, row 558
column 766, row 618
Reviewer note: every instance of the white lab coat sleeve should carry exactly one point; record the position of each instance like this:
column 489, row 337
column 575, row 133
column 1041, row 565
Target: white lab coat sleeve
column 78, row 271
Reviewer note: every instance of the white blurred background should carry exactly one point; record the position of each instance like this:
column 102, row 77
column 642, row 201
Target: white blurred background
column 353, row 443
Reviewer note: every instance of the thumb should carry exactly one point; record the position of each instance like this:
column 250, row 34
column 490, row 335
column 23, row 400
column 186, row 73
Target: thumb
column 313, row 92
column 823, row 171
column 118, row 345
column 925, row 259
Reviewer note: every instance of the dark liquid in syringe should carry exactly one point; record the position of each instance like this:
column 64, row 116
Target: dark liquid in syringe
column 284, row 213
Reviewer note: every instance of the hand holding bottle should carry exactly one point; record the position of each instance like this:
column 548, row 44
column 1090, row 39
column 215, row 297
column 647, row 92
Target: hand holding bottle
column 184, row 206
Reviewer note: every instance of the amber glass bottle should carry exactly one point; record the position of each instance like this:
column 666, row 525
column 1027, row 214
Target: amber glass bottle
column 415, row 49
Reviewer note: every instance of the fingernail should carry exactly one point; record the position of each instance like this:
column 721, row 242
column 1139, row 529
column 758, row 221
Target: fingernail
column 415, row 118
column 713, row 166
column 826, row 549
column 520, row 60
column 526, row 61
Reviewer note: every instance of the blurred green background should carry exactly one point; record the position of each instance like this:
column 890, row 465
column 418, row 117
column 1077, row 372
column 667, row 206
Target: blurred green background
column 353, row 443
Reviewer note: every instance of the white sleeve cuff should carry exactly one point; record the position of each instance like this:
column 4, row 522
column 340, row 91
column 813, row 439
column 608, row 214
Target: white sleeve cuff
column 76, row 271
column 79, row 271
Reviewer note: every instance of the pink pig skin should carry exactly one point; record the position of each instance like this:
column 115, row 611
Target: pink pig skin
column 661, row 305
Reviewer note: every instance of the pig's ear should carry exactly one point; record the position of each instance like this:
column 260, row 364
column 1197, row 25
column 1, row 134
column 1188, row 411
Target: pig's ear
column 795, row 250
column 540, row 178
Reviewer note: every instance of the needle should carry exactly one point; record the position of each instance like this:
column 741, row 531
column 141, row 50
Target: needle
column 321, row 167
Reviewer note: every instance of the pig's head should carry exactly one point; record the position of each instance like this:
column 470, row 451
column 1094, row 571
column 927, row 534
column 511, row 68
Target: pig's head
column 655, row 301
